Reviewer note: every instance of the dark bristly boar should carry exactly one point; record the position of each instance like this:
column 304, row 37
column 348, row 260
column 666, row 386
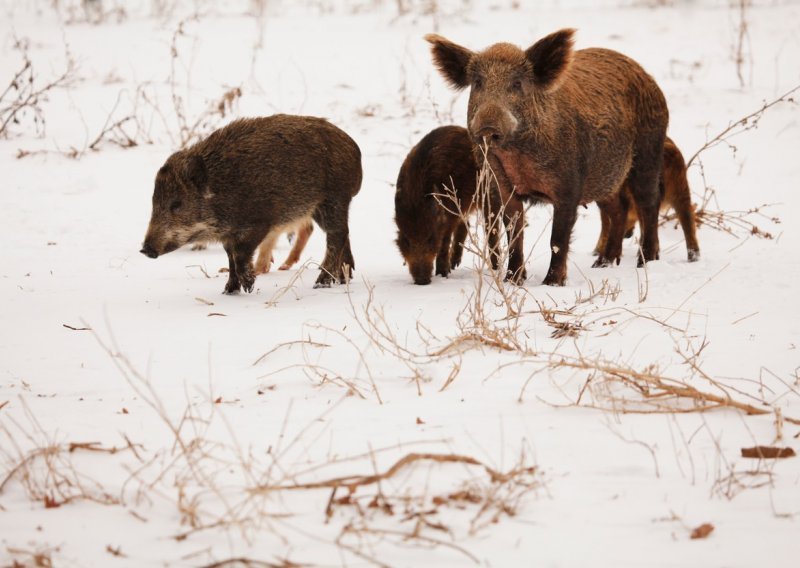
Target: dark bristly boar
column 250, row 177
column 567, row 128
column 674, row 192
column 429, row 227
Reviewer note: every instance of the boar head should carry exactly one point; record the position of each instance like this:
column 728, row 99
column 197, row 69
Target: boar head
column 181, row 208
column 509, row 87
column 419, row 229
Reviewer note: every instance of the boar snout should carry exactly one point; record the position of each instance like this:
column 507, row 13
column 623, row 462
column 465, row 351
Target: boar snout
column 421, row 272
column 493, row 122
column 149, row 251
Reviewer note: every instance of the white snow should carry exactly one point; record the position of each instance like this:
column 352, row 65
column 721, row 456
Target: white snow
column 285, row 385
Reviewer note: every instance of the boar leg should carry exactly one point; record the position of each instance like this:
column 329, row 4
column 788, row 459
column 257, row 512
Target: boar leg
column 675, row 192
column 233, row 285
column 443, row 257
column 459, row 237
column 332, row 218
column 514, row 218
column 678, row 195
column 240, row 265
column 564, row 216
column 300, row 240
column 643, row 181
column 603, row 238
column 264, row 261
column 615, row 212
column 686, row 218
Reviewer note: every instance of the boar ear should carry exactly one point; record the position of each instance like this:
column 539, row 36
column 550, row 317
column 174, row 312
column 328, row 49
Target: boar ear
column 451, row 60
column 550, row 57
column 196, row 172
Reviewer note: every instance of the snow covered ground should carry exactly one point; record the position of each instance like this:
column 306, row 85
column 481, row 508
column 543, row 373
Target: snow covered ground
column 148, row 419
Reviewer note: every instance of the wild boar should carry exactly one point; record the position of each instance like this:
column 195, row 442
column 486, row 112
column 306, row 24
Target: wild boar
column 250, row 177
column 429, row 226
column 301, row 229
column 673, row 188
column 567, row 128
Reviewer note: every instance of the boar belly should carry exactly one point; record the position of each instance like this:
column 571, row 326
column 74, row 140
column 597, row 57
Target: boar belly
column 527, row 177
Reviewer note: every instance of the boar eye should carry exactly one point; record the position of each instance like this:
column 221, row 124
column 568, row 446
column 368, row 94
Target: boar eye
column 477, row 83
column 516, row 85
column 175, row 206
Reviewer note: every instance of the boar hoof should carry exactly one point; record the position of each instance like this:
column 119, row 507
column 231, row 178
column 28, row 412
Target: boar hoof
column 516, row 277
column 693, row 255
column 553, row 279
column 248, row 280
column 232, row 287
column 324, row 280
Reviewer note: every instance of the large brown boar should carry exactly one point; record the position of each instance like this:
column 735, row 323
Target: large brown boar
column 673, row 188
column 250, row 177
column 567, row 128
column 429, row 226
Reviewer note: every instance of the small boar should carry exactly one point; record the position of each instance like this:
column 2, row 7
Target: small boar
column 567, row 128
column 302, row 229
column 428, row 228
column 250, row 177
column 674, row 192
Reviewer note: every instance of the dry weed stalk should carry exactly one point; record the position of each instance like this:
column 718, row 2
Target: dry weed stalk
column 736, row 221
column 371, row 319
column 203, row 477
column 25, row 94
column 46, row 471
column 487, row 499
column 190, row 131
column 40, row 557
column 319, row 374
column 477, row 322
column 126, row 129
column 743, row 124
column 618, row 387
column 742, row 38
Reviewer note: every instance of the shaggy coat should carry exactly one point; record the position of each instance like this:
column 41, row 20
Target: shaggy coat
column 435, row 193
column 674, row 192
column 565, row 128
column 250, row 177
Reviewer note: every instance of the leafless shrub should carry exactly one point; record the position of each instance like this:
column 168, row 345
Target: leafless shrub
column 422, row 498
column 618, row 387
column 46, row 470
column 193, row 129
column 735, row 222
column 490, row 316
column 742, row 48
column 38, row 557
column 126, row 129
column 487, row 499
column 90, row 11
column 22, row 100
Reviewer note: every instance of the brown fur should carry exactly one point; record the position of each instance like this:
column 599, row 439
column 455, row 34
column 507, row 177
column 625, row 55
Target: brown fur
column 566, row 128
column 428, row 229
column 253, row 176
column 675, row 193
column 302, row 229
